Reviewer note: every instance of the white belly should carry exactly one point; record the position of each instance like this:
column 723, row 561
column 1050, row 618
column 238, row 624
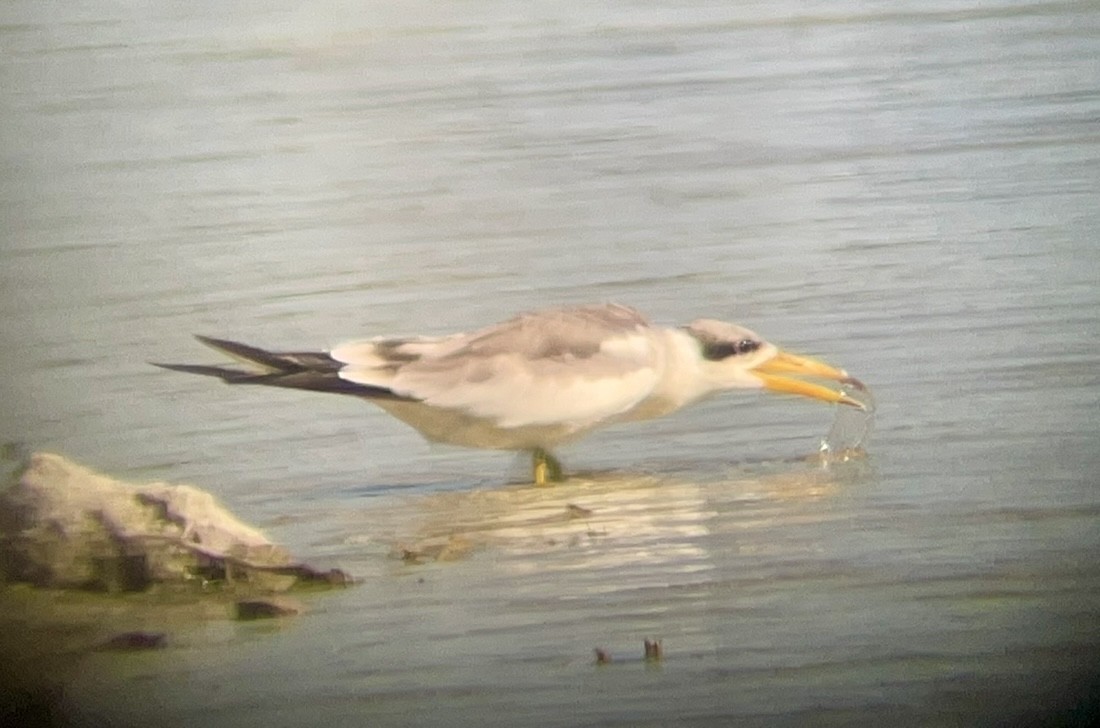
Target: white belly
column 458, row 428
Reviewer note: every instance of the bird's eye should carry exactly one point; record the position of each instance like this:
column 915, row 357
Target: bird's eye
column 719, row 350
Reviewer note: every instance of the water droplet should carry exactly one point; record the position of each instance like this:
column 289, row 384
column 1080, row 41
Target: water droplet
column 851, row 429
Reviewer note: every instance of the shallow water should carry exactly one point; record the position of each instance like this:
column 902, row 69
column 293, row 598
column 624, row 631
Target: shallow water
column 905, row 190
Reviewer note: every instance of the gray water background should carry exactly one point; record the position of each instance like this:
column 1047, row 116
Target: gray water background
column 907, row 189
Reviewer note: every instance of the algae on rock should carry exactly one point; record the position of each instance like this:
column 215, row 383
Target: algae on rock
column 65, row 526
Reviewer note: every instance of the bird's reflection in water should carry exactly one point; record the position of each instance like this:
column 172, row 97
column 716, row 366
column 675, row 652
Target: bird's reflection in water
column 613, row 522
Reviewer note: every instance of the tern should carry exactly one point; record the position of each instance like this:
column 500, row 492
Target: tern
column 540, row 379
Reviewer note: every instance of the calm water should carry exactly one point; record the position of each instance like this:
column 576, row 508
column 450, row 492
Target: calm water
column 906, row 189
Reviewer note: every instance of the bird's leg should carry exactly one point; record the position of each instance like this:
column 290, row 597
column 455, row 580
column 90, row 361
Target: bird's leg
column 546, row 467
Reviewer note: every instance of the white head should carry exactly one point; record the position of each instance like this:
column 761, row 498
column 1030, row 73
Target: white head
column 733, row 357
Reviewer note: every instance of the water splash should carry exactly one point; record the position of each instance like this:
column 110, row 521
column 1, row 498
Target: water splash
column 851, row 429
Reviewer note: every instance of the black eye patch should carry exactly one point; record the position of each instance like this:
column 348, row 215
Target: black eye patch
column 719, row 350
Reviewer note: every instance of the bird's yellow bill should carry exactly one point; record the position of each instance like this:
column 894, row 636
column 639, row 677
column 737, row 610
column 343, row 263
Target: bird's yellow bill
column 772, row 371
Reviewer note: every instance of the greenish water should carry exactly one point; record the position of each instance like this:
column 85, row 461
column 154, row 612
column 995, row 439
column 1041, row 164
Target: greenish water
column 906, row 190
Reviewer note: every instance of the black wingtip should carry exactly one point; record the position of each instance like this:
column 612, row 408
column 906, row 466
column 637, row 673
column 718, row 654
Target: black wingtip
column 231, row 376
column 224, row 344
column 323, row 381
column 249, row 354
column 215, row 342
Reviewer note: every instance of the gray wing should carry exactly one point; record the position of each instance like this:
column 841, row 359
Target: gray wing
column 560, row 366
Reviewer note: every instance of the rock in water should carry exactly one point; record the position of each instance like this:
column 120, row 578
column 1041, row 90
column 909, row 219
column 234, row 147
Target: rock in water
column 62, row 525
column 136, row 641
column 250, row 609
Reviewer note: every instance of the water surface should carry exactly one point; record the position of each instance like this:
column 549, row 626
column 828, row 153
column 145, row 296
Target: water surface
column 904, row 189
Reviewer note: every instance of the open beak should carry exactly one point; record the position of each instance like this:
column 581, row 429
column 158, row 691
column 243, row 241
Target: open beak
column 772, row 371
